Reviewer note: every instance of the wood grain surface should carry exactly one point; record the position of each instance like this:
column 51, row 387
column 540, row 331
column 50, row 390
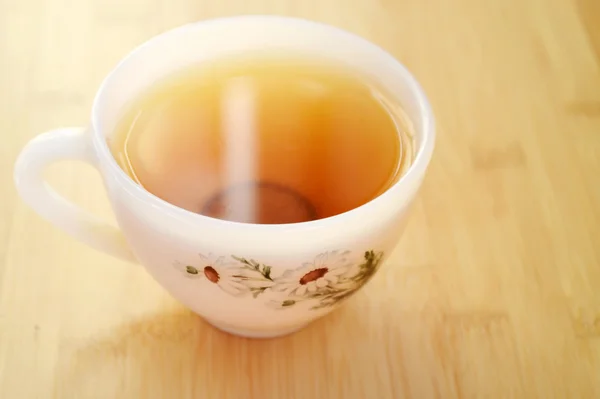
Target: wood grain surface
column 494, row 291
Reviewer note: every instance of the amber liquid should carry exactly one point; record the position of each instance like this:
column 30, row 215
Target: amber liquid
column 267, row 139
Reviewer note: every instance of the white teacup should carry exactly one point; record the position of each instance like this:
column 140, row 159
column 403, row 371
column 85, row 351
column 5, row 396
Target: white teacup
column 247, row 279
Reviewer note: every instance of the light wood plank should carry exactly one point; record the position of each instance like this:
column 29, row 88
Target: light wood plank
column 494, row 291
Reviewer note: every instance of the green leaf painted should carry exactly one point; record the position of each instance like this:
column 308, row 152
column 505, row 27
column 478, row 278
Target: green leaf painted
column 191, row 270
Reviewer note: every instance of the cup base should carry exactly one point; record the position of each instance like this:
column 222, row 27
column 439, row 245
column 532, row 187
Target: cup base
column 257, row 334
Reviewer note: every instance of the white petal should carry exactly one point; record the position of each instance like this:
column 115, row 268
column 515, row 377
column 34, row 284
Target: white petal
column 229, row 272
column 337, row 271
column 283, row 286
column 306, row 266
column 312, row 286
column 321, row 259
column 235, row 284
column 301, row 290
column 340, row 262
column 289, row 274
column 223, row 268
column 321, row 283
column 219, row 261
column 330, row 279
column 231, row 287
column 205, row 260
column 341, row 256
column 287, row 280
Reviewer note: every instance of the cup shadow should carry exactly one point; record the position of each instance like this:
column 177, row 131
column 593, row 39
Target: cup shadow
column 178, row 355
column 372, row 346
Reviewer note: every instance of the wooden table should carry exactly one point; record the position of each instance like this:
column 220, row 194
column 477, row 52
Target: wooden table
column 494, row 292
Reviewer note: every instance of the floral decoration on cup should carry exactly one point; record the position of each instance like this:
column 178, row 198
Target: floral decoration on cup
column 328, row 279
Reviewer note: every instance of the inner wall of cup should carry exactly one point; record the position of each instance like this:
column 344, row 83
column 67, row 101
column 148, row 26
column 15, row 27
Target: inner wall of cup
column 192, row 44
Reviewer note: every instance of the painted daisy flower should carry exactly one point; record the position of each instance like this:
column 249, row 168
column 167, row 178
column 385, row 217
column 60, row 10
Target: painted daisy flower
column 326, row 270
column 218, row 271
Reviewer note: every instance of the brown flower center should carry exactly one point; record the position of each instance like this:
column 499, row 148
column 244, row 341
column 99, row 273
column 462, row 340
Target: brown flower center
column 211, row 274
column 313, row 275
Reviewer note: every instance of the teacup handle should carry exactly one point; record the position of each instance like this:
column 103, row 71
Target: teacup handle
column 50, row 147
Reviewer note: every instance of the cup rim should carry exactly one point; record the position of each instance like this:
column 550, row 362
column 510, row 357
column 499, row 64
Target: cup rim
column 415, row 170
